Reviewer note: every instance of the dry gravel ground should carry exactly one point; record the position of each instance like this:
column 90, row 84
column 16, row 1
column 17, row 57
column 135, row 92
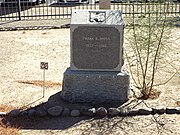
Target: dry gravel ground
column 20, row 56
column 30, row 23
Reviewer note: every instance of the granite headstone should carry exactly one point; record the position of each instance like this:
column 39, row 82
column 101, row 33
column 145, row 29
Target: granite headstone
column 95, row 75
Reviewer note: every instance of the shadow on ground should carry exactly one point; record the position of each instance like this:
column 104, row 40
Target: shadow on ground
column 50, row 122
column 46, row 123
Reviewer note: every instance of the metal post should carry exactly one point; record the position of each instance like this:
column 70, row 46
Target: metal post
column 19, row 9
column 105, row 4
column 44, row 66
column 44, row 83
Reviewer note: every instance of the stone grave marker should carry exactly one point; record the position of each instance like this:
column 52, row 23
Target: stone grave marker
column 95, row 75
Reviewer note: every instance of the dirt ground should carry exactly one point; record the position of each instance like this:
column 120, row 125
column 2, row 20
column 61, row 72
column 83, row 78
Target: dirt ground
column 20, row 56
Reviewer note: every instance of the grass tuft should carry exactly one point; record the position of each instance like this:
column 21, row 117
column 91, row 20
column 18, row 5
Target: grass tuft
column 47, row 84
column 5, row 127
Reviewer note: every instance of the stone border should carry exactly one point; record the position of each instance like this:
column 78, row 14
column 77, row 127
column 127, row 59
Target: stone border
column 59, row 111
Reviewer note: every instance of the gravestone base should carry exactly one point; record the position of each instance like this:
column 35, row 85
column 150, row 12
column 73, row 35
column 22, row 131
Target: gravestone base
column 95, row 88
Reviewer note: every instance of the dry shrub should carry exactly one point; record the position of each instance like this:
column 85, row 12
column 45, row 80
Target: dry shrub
column 178, row 103
column 154, row 94
column 148, row 46
column 5, row 108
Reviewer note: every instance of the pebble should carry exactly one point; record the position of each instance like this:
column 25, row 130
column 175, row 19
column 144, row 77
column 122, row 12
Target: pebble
column 89, row 112
column 41, row 112
column 170, row 110
column 14, row 113
column 31, row 112
column 75, row 113
column 154, row 111
column 133, row 112
column 55, row 111
column 113, row 111
column 146, row 111
column 66, row 112
column 159, row 110
column 101, row 111
column 178, row 110
column 123, row 112
column 24, row 113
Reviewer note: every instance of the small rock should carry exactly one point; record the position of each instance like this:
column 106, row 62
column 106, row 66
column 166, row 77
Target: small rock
column 31, row 112
column 113, row 111
column 123, row 112
column 178, row 110
column 75, row 113
column 41, row 112
column 146, row 111
column 170, row 110
column 66, row 112
column 133, row 112
column 24, row 113
column 92, row 110
column 159, row 110
column 101, row 111
column 55, row 111
column 14, row 113
column 89, row 112
column 154, row 111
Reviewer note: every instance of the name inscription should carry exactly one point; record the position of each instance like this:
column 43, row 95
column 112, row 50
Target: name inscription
column 92, row 42
column 96, row 38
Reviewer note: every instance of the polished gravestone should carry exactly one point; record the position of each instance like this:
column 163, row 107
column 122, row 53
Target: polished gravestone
column 96, row 48
column 96, row 40
column 95, row 75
